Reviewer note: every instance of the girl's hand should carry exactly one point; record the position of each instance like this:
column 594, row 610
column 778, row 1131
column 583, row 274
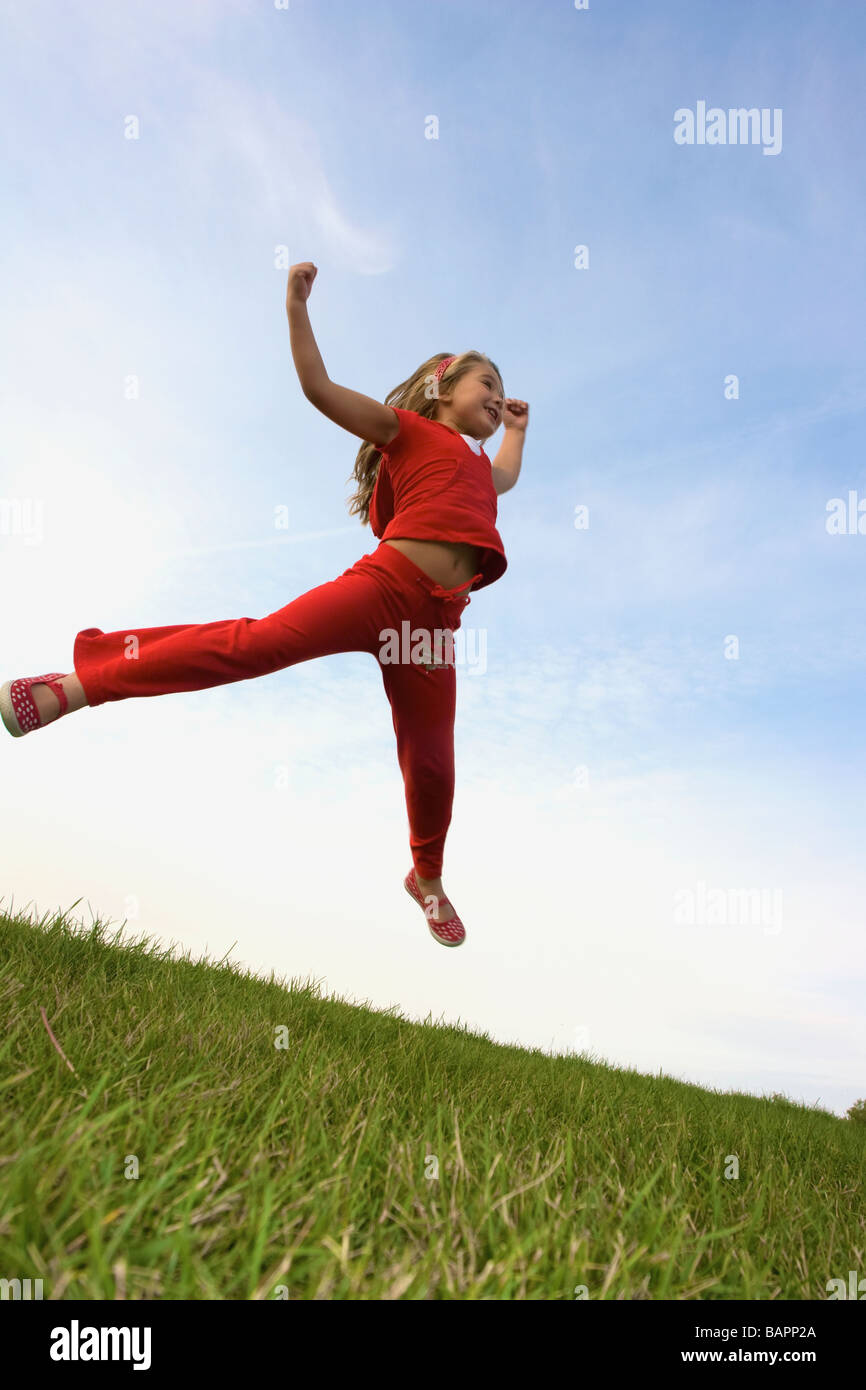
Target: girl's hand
column 301, row 277
column 515, row 415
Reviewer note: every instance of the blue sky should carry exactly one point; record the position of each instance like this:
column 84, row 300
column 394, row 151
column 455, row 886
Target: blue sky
column 263, row 131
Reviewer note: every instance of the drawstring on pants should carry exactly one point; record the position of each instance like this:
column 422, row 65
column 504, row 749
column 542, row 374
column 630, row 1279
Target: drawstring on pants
column 439, row 592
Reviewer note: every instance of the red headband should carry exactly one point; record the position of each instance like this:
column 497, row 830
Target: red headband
column 442, row 365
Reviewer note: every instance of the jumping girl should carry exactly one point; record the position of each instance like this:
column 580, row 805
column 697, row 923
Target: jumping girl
column 429, row 492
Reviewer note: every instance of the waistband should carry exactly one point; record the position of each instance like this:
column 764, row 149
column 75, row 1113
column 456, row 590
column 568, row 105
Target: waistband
column 394, row 559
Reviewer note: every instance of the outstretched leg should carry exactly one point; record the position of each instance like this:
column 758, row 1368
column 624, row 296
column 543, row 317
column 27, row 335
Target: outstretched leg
column 339, row 616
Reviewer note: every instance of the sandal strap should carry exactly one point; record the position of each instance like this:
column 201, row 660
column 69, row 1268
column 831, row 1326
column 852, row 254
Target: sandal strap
column 57, row 687
column 412, row 885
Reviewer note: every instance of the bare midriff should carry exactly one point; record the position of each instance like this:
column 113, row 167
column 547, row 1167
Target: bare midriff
column 449, row 563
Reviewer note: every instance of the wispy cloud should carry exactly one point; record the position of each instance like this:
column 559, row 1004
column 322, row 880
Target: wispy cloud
column 285, row 177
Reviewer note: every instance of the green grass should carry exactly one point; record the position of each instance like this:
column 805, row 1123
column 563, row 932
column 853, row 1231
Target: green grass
column 304, row 1171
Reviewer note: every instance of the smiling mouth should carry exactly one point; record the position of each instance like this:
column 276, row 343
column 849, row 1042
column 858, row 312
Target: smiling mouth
column 492, row 413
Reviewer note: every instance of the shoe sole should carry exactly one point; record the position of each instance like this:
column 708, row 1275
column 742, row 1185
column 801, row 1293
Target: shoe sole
column 429, row 923
column 7, row 712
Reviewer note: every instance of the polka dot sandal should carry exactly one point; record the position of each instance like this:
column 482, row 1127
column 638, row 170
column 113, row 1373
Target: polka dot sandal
column 450, row 933
column 18, row 708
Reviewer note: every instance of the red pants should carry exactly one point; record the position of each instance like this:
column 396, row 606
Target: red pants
column 383, row 590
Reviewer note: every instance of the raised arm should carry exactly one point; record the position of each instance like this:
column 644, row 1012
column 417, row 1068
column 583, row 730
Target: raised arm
column 359, row 414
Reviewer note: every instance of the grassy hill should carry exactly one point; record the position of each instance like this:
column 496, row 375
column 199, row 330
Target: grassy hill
column 228, row 1136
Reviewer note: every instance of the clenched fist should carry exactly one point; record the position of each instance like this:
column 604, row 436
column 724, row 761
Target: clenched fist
column 301, row 277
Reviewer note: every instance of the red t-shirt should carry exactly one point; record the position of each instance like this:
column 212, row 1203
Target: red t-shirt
column 432, row 486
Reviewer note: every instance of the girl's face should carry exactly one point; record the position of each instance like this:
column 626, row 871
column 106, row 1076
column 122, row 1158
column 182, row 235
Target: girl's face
column 476, row 402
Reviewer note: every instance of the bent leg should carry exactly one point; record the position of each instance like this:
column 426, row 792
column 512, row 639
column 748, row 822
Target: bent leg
column 339, row 616
column 423, row 705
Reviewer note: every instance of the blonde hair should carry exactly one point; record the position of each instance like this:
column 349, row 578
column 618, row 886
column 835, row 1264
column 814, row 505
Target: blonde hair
column 411, row 394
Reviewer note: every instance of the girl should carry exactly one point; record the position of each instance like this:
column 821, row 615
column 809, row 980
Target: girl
column 429, row 491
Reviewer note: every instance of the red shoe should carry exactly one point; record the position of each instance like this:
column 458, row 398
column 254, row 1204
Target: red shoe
column 18, row 708
column 450, row 933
